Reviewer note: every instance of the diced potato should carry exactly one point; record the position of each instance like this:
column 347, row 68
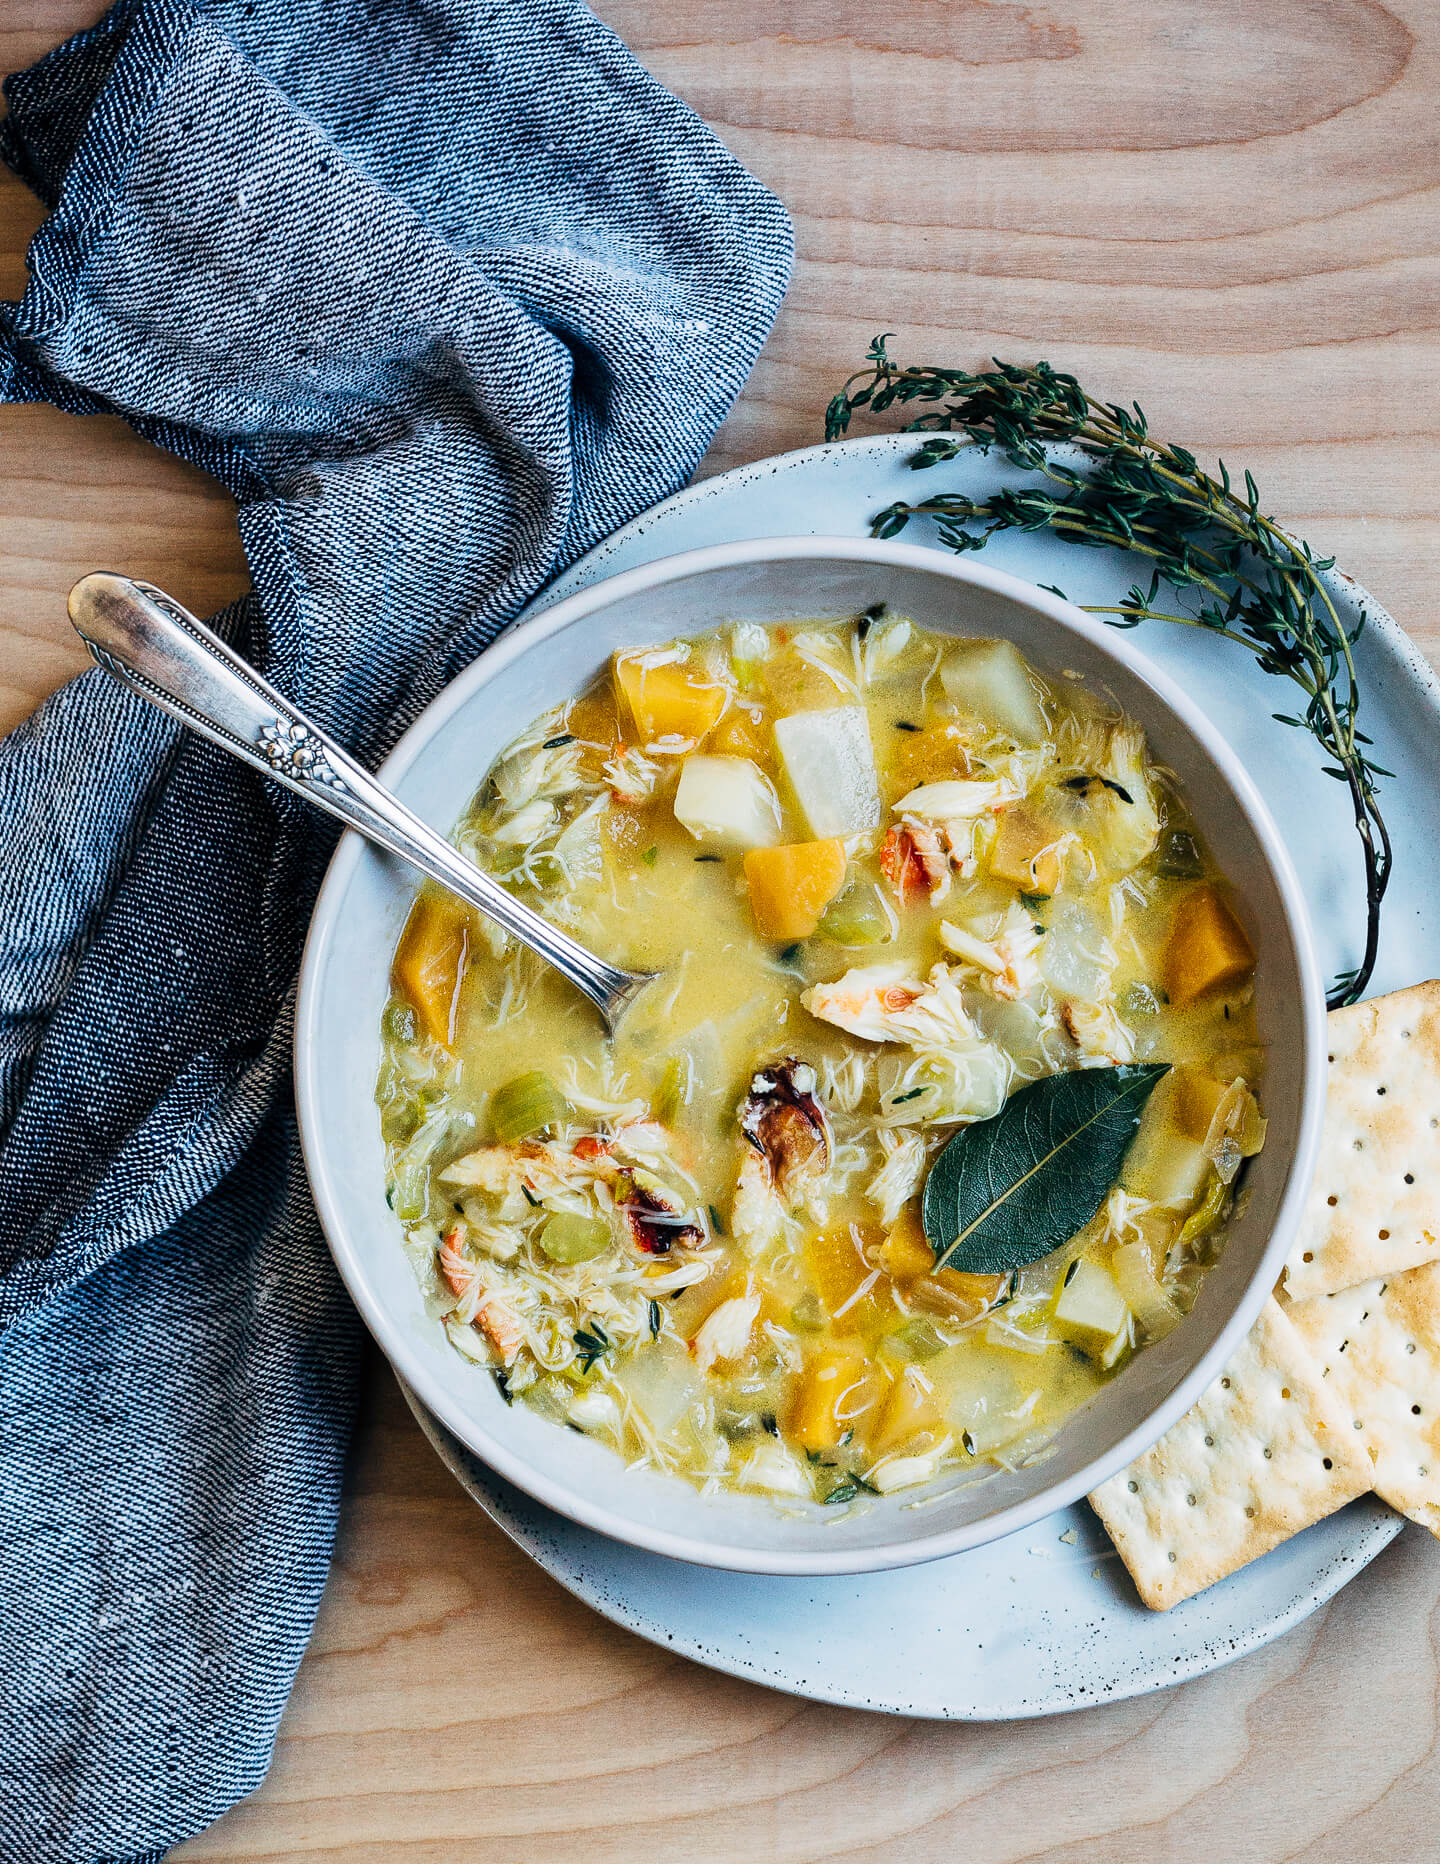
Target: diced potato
column 661, row 1381
column 727, row 802
column 1089, row 1307
column 910, row 1406
column 1143, row 1295
column 830, row 765
column 906, row 1253
column 987, row 1393
column 673, row 700
column 1207, row 948
column 991, row 680
column 430, row 962
column 791, row 886
column 1023, row 854
column 1167, row 1161
column 834, row 1394
column 741, row 733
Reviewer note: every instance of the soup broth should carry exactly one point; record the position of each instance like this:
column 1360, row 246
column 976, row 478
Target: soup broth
column 888, row 878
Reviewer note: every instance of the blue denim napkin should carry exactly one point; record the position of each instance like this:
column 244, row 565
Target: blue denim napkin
column 442, row 291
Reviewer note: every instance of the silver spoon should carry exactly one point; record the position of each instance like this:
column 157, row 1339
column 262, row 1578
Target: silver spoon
column 159, row 650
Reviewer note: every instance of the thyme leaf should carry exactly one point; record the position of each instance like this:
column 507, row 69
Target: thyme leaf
column 1208, row 543
column 594, row 1342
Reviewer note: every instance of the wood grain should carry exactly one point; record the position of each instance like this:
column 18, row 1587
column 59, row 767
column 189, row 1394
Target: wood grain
column 1229, row 209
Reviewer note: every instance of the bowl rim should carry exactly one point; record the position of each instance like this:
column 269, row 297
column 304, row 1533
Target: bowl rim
column 310, row 1079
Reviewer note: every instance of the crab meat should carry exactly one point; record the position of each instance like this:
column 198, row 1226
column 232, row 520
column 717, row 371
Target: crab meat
column 499, row 1322
column 899, row 1178
column 786, row 1125
column 957, row 800
column 789, row 1155
column 886, row 1003
column 632, row 775
column 653, row 1215
column 757, row 1216
column 725, row 1333
column 900, row 862
column 1097, row 1032
column 1006, row 963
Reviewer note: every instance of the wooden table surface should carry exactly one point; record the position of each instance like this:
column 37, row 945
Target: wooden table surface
column 1230, row 210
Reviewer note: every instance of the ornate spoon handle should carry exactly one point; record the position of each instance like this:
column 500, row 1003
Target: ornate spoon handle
column 160, row 651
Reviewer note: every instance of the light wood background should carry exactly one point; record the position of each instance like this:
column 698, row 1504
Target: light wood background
column 1229, row 209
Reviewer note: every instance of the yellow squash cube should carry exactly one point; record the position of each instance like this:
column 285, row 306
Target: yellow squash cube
column 430, row 963
column 836, row 1392
column 909, row 1407
column 906, row 1253
column 674, row 700
column 791, row 886
column 1207, row 948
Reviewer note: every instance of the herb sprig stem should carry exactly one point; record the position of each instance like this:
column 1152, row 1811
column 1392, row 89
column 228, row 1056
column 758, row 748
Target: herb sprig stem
column 1252, row 582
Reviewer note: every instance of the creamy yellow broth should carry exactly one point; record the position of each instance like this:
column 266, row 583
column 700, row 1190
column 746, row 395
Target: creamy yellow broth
column 949, row 878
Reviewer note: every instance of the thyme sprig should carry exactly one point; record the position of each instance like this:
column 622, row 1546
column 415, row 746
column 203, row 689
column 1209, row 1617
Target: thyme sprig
column 1205, row 540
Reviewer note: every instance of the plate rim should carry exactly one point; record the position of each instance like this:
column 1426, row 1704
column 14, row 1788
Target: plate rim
column 1380, row 1533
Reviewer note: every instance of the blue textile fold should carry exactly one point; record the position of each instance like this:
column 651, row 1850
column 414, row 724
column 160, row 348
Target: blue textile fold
column 442, row 291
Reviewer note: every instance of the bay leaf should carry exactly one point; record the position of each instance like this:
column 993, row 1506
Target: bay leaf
column 1008, row 1190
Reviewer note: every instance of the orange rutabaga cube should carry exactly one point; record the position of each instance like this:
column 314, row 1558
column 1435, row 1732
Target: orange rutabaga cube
column 791, row 886
column 837, row 1392
column 673, row 700
column 430, row 962
column 1207, row 948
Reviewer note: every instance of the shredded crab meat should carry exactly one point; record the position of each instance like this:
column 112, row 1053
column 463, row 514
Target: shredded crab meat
column 479, row 1303
column 632, row 775
column 725, row 1333
column 789, row 1152
column 899, row 1178
column 1005, row 965
column 1098, row 1034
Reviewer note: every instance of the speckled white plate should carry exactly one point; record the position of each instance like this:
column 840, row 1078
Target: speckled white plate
column 1047, row 1620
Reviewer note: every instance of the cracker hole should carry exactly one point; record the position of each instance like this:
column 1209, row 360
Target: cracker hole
column 1225, row 1384
column 1284, row 1391
column 1415, row 1410
column 1268, row 1453
column 1379, row 1090
column 1249, row 1514
column 1191, row 1500
column 1332, row 1200
column 1359, row 1424
column 1172, row 1559
column 1328, row 1464
column 1384, row 1236
column 1210, row 1441
column 1359, row 1144
column 1409, row 1177
column 1134, row 1487
column 1309, row 1256
column 1410, row 1346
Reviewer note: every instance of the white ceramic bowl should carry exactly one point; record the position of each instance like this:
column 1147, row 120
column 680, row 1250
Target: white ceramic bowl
column 438, row 766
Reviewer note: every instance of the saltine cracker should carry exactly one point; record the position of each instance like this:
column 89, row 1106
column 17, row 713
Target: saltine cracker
column 1266, row 1451
column 1372, row 1207
column 1378, row 1349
